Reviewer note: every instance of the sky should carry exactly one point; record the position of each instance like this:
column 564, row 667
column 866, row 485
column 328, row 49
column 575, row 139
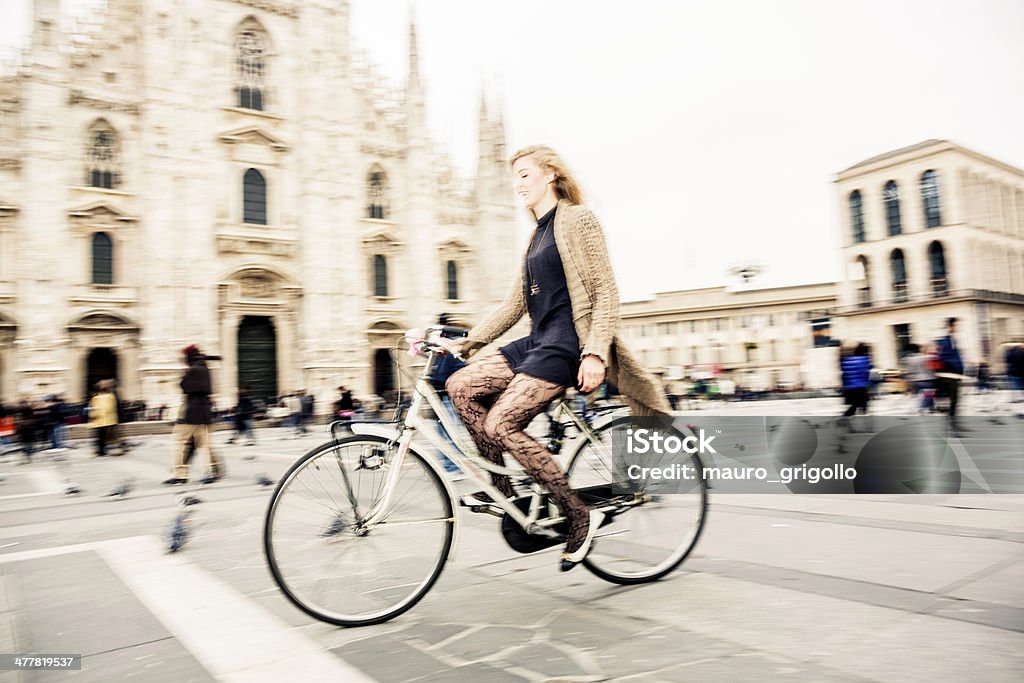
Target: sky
column 706, row 135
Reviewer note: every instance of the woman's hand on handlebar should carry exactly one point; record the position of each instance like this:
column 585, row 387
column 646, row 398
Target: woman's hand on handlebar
column 591, row 374
column 454, row 346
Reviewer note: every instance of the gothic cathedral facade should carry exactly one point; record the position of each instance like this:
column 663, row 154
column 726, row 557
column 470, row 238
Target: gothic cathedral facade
column 226, row 173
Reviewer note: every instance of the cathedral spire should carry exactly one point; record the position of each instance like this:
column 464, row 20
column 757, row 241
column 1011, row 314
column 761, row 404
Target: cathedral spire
column 414, row 57
column 499, row 119
column 485, row 119
column 45, row 25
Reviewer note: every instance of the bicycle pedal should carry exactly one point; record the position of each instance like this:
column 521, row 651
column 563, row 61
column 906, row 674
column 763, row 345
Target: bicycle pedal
column 472, row 503
column 477, row 506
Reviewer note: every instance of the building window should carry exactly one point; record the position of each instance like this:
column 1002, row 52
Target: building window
column 453, row 280
column 693, row 326
column 899, row 275
column 864, row 278
column 718, row 324
column 102, row 259
column 821, row 332
column 254, row 198
column 376, row 194
column 939, row 282
column 666, row 328
column 857, row 216
column 380, row 276
column 892, row 208
column 250, row 68
column 901, row 332
column 103, row 157
column 930, row 199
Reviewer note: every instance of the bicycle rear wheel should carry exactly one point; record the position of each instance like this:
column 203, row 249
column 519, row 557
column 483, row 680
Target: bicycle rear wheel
column 648, row 533
column 326, row 553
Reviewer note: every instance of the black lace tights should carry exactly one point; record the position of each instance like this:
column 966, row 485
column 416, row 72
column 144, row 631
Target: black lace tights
column 520, row 398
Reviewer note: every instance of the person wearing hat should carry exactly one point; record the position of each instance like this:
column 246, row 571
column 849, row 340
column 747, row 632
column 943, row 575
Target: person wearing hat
column 196, row 419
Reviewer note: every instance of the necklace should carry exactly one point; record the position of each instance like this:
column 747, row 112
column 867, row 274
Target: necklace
column 534, row 287
column 535, row 244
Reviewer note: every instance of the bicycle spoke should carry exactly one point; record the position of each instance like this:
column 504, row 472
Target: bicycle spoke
column 334, row 566
column 650, row 537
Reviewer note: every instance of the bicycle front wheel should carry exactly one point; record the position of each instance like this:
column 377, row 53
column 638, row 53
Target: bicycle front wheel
column 342, row 547
column 647, row 533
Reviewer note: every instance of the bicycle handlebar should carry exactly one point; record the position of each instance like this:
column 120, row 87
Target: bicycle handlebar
column 435, row 338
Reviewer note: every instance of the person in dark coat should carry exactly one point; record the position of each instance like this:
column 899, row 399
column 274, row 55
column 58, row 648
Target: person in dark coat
column 344, row 404
column 25, row 421
column 196, row 419
column 856, row 373
column 1015, row 370
column 947, row 380
column 243, row 413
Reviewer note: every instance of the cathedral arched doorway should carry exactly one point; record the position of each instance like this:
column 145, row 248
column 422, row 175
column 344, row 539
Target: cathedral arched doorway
column 257, row 356
column 100, row 364
column 383, row 374
column 105, row 345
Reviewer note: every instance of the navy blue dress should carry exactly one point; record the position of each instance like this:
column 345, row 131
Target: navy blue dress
column 552, row 351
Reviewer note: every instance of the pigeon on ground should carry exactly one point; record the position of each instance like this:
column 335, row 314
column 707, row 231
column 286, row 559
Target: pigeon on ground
column 262, row 480
column 188, row 500
column 336, row 526
column 121, row 490
column 178, row 534
column 72, row 489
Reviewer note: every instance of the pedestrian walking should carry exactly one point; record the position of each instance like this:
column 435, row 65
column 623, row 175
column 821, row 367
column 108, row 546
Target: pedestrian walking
column 243, row 414
column 920, row 379
column 58, row 416
column 307, row 408
column 25, row 424
column 948, row 379
column 103, row 415
column 344, row 407
column 1015, row 370
column 294, row 408
column 197, row 415
column 7, row 430
column 855, row 369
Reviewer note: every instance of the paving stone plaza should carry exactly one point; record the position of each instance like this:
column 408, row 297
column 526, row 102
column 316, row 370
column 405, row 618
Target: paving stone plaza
column 780, row 588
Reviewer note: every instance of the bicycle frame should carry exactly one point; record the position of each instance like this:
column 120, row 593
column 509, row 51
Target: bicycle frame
column 466, row 456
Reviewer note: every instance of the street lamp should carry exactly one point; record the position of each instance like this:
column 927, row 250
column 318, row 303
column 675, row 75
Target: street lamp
column 746, row 272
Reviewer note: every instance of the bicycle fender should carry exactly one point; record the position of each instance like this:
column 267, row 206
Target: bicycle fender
column 370, row 429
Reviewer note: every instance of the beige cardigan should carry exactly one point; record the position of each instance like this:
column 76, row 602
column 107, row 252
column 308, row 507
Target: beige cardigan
column 595, row 309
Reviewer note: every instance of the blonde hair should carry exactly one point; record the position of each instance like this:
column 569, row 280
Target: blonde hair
column 565, row 184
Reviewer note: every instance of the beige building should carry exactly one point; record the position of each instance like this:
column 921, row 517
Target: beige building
column 758, row 338
column 227, row 173
column 932, row 231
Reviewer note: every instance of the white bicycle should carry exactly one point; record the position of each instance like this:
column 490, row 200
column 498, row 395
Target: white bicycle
column 359, row 528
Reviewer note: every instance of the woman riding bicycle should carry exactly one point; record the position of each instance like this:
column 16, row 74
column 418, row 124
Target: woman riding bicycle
column 567, row 288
